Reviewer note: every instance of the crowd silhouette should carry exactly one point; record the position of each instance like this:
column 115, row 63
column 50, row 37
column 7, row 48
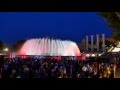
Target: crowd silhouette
column 46, row 68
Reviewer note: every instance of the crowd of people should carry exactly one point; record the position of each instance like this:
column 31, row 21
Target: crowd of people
column 38, row 68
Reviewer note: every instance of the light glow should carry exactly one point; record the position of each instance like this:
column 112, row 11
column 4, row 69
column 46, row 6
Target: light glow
column 116, row 49
column 50, row 47
column 5, row 50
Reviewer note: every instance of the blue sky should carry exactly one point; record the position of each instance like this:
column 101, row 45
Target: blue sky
column 62, row 25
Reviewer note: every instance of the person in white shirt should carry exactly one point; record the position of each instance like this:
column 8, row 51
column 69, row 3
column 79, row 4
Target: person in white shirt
column 84, row 68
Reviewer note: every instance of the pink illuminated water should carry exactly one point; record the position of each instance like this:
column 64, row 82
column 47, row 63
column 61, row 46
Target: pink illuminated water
column 49, row 47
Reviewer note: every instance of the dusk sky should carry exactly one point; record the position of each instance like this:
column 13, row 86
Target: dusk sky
column 59, row 25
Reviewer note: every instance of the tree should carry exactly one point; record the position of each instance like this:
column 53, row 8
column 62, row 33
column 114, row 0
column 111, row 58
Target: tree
column 113, row 20
column 18, row 45
column 2, row 45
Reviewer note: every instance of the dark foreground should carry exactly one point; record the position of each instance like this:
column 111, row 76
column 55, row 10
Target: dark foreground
column 37, row 68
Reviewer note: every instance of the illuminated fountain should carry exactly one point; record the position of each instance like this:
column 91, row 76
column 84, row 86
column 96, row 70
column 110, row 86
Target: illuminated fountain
column 49, row 47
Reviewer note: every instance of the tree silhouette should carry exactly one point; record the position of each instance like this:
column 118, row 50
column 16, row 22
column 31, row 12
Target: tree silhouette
column 18, row 45
column 113, row 20
column 2, row 45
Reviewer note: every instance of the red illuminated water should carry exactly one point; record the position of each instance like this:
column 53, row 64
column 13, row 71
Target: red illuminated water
column 50, row 47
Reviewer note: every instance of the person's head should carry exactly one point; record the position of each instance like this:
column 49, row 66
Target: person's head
column 18, row 76
column 78, row 75
column 61, row 67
